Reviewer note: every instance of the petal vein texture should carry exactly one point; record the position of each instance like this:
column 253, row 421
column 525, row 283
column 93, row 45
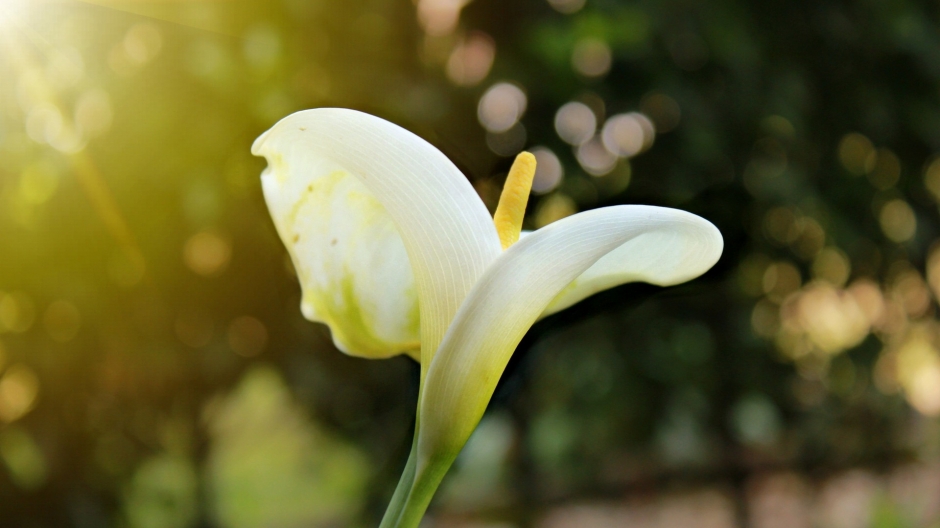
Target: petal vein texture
column 522, row 282
column 447, row 232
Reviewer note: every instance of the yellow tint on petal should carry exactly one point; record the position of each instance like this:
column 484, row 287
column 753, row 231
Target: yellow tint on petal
column 350, row 260
column 445, row 229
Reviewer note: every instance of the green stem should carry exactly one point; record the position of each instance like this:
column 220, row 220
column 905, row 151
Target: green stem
column 415, row 489
column 426, row 481
column 397, row 503
column 406, row 482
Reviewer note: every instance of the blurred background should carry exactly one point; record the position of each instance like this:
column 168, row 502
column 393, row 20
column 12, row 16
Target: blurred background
column 155, row 370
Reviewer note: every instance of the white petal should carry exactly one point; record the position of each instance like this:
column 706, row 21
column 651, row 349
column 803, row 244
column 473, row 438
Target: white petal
column 660, row 258
column 350, row 261
column 371, row 179
column 518, row 287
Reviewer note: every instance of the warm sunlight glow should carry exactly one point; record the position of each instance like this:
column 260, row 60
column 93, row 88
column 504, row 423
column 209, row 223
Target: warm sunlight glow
column 10, row 11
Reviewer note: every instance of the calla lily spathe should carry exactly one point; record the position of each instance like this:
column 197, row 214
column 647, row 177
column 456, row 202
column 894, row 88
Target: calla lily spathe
column 396, row 253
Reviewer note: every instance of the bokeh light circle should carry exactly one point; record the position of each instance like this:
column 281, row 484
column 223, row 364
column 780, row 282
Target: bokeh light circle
column 575, row 123
column 501, row 107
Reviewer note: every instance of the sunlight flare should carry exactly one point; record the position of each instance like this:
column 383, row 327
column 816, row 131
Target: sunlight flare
column 11, row 12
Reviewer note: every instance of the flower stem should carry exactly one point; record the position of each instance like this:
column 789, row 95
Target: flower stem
column 397, row 504
column 427, row 477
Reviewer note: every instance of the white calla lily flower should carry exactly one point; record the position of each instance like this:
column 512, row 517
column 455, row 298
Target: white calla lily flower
column 396, row 253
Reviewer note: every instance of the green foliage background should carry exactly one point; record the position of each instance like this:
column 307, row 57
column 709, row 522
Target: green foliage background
column 155, row 407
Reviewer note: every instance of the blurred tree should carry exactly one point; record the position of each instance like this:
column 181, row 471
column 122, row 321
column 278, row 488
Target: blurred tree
column 141, row 280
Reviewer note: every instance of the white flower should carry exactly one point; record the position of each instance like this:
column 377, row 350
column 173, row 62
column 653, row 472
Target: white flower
column 397, row 253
